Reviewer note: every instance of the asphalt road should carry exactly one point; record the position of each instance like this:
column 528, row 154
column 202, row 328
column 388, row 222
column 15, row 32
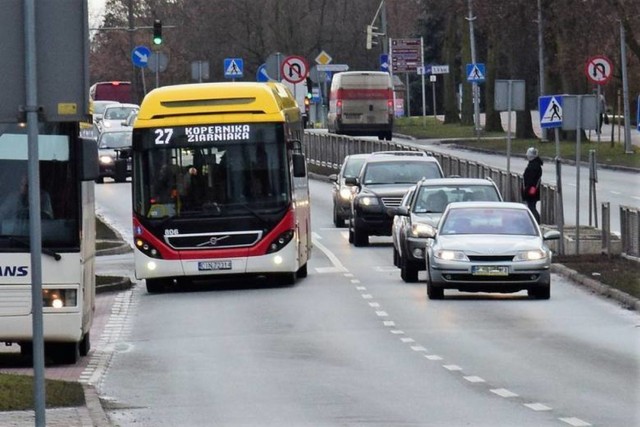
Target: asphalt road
column 354, row 345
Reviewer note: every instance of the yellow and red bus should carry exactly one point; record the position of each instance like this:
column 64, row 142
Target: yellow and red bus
column 219, row 184
column 116, row 91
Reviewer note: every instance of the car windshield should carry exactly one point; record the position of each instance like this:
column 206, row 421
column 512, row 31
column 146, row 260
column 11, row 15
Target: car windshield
column 352, row 167
column 488, row 221
column 399, row 172
column 434, row 199
column 115, row 140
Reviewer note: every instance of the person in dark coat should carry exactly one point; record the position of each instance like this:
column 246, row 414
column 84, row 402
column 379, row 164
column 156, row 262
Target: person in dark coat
column 531, row 181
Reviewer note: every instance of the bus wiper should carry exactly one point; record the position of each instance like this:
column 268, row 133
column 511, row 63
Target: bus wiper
column 26, row 244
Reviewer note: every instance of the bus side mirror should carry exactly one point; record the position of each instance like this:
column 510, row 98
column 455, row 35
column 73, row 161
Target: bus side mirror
column 299, row 165
column 88, row 168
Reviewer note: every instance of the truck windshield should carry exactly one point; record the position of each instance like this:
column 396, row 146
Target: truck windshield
column 58, row 190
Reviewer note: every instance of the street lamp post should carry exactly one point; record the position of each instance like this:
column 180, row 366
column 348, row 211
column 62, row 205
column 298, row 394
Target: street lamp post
column 474, row 85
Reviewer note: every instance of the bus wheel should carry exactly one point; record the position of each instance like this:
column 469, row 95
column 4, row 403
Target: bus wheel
column 302, row 271
column 155, row 286
column 85, row 345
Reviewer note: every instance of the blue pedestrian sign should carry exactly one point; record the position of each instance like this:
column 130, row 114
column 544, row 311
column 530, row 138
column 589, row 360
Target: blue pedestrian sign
column 261, row 74
column 140, row 56
column 384, row 62
column 475, row 73
column 233, row 68
column 550, row 109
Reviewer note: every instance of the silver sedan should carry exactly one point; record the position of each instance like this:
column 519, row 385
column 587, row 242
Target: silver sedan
column 488, row 247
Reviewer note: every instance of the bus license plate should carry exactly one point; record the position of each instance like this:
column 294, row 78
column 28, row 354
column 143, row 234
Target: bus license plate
column 214, row 265
column 490, row 270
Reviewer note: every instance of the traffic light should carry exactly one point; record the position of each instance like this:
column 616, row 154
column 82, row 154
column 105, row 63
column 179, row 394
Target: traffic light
column 370, row 35
column 157, row 32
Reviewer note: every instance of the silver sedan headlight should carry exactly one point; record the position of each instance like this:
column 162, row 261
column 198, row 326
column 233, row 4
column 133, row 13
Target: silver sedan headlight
column 449, row 255
column 420, row 230
column 534, row 255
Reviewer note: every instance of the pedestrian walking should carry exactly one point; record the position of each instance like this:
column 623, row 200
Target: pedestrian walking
column 531, row 181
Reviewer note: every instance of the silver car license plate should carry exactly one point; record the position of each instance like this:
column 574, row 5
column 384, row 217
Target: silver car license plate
column 214, row 265
column 490, row 270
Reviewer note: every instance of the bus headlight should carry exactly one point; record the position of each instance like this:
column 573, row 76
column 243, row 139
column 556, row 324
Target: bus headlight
column 345, row 193
column 59, row 298
column 280, row 241
column 147, row 248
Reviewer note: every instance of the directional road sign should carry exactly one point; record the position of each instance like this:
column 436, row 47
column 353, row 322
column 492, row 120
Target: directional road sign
column 475, row 73
column 140, row 56
column 384, row 62
column 550, row 109
column 599, row 69
column 261, row 74
column 233, row 68
column 406, row 55
column 438, row 69
column 294, row 69
column 333, row 67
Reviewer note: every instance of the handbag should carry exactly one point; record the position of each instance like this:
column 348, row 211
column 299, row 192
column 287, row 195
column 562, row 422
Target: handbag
column 532, row 190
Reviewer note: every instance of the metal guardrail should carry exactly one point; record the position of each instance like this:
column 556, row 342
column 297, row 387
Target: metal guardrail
column 630, row 231
column 326, row 152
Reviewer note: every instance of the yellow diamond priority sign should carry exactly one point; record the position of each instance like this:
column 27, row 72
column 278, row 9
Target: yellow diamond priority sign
column 323, row 58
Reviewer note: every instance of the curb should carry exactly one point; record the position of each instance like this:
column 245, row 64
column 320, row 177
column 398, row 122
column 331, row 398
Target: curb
column 628, row 301
column 93, row 404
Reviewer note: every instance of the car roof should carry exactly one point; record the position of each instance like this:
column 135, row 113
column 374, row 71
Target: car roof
column 491, row 205
column 437, row 182
column 122, row 104
column 400, row 159
column 357, row 156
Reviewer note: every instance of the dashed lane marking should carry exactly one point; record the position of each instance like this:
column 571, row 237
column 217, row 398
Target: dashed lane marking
column 503, row 392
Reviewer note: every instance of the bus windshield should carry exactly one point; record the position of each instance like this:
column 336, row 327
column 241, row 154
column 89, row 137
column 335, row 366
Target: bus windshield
column 216, row 170
column 58, row 197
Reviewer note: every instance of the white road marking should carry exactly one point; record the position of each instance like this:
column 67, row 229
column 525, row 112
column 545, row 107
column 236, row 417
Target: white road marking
column 374, row 304
column 474, row 379
column 367, row 296
column 407, row 339
column 575, row 422
column 325, row 270
column 432, row 357
column 389, row 323
column 385, row 268
column 348, row 274
column 382, row 313
column 617, row 193
column 418, row 348
column 361, row 288
column 355, row 280
column 452, row 367
column 334, row 259
column 397, row 332
column 537, row 406
column 503, row 392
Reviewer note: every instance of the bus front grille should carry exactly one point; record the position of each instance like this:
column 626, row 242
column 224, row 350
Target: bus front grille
column 232, row 239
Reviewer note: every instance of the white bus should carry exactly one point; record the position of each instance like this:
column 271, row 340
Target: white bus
column 68, row 166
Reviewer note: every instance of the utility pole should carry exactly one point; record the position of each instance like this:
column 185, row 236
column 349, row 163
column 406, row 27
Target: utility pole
column 474, row 85
column 625, row 91
column 541, row 61
column 383, row 26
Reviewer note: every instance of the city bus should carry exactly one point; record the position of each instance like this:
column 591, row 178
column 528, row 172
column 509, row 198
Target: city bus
column 68, row 165
column 219, row 185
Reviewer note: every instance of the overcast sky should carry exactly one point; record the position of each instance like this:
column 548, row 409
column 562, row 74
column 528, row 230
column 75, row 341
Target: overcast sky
column 96, row 9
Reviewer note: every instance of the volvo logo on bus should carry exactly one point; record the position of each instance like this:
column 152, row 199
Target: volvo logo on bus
column 213, row 241
column 14, row 270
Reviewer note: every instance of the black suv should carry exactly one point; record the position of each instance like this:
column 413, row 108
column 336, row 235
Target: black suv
column 383, row 180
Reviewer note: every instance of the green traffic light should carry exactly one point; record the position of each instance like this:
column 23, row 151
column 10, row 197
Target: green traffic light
column 157, row 40
column 157, row 32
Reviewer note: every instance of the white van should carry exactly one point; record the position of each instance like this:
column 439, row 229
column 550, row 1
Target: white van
column 361, row 103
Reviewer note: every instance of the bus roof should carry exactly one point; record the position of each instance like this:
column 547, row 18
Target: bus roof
column 230, row 102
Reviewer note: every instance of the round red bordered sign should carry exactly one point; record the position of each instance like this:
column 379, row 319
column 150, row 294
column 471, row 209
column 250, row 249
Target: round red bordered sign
column 599, row 69
column 294, row 69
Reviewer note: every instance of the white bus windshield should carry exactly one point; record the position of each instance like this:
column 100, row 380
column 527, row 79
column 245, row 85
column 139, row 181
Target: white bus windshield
column 200, row 177
column 58, row 190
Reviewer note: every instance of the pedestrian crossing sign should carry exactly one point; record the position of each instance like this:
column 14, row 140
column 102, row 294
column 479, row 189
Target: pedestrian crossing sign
column 475, row 73
column 233, row 68
column 550, row 109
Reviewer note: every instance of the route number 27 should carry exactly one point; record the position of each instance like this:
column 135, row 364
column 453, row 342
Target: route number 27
column 163, row 136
